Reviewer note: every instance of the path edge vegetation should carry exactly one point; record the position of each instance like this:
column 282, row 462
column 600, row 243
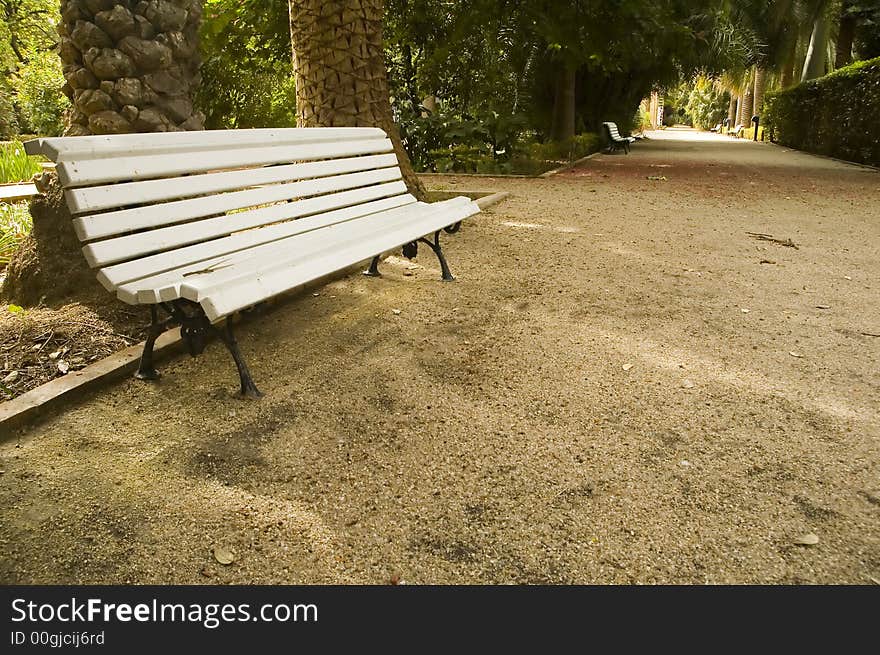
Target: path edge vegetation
column 835, row 115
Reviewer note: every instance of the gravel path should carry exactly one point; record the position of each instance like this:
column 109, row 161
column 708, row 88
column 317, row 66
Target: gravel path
column 623, row 386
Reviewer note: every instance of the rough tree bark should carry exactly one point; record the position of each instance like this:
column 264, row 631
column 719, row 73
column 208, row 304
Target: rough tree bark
column 130, row 65
column 748, row 103
column 760, row 84
column 339, row 65
column 731, row 112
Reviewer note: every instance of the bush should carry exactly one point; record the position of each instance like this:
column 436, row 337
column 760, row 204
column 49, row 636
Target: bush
column 490, row 142
column 835, row 115
column 706, row 106
column 8, row 119
column 41, row 103
column 255, row 94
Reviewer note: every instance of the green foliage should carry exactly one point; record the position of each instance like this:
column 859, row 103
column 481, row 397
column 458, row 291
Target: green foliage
column 8, row 118
column 30, row 91
column 15, row 164
column 867, row 36
column 835, row 115
column 41, row 104
column 15, row 225
column 247, row 76
column 485, row 143
column 706, row 105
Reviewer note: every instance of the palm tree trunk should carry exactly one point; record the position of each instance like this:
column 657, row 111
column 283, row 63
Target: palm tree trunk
column 339, row 65
column 130, row 67
column 814, row 64
column 760, row 83
column 731, row 112
column 739, row 111
column 748, row 101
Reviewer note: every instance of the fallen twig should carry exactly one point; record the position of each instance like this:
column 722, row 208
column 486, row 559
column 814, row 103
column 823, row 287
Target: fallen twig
column 788, row 243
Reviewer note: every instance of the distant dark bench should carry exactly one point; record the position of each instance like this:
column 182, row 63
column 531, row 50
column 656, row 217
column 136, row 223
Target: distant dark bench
column 615, row 141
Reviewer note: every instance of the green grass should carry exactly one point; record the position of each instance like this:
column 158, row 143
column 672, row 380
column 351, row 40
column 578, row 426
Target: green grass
column 15, row 225
column 15, row 165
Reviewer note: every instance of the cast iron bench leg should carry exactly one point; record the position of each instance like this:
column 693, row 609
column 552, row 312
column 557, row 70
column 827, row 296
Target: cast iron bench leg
column 146, row 370
column 248, row 388
column 435, row 246
column 373, row 271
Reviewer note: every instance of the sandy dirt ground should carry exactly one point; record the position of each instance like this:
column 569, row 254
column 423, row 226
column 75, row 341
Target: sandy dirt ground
column 622, row 386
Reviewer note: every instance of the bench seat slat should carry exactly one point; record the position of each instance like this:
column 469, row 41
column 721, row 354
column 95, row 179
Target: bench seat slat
column 121, row 249
column 124, row 221
column 60, row 149
column 113, row 277
column 305, row 246
column 166, row 287
column 222, row 295
column 142, row 167
column 98, row 198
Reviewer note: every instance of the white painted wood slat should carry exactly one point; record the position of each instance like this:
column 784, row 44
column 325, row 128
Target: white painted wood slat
column 120, row 249
column 117, row 275
column 157, row 215
column 227, row 298
column 304, row 246
column 60, row 149
column 143, row 167
column 166, row 286
column 98, row 198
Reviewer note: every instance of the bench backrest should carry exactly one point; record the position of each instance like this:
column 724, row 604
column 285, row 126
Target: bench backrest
column 147, row 203
column 612, row 130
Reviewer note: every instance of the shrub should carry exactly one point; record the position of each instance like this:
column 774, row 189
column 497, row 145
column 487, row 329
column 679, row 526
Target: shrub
column 490, row 142
column 706, row 105
column 8, row 119
column 40, row 101
column 252, row 94
column 835, row 115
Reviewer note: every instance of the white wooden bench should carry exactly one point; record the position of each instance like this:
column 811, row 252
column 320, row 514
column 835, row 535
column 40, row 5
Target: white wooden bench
column 201, row 225
column 737, row 131
column 615, row 141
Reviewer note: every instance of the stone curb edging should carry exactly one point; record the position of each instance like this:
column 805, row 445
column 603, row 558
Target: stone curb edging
column 570, row 165
column 857, row 164
column 36, row 403
column 493, row 199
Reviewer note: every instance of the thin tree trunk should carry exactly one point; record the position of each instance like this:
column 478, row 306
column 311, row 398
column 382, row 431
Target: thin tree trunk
column 843, row 54
column 130, row 67
column 564, row 105
column 786, row 78
column 760, row 83
column 339, row 65
column 814, row 64
column 731, row 112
